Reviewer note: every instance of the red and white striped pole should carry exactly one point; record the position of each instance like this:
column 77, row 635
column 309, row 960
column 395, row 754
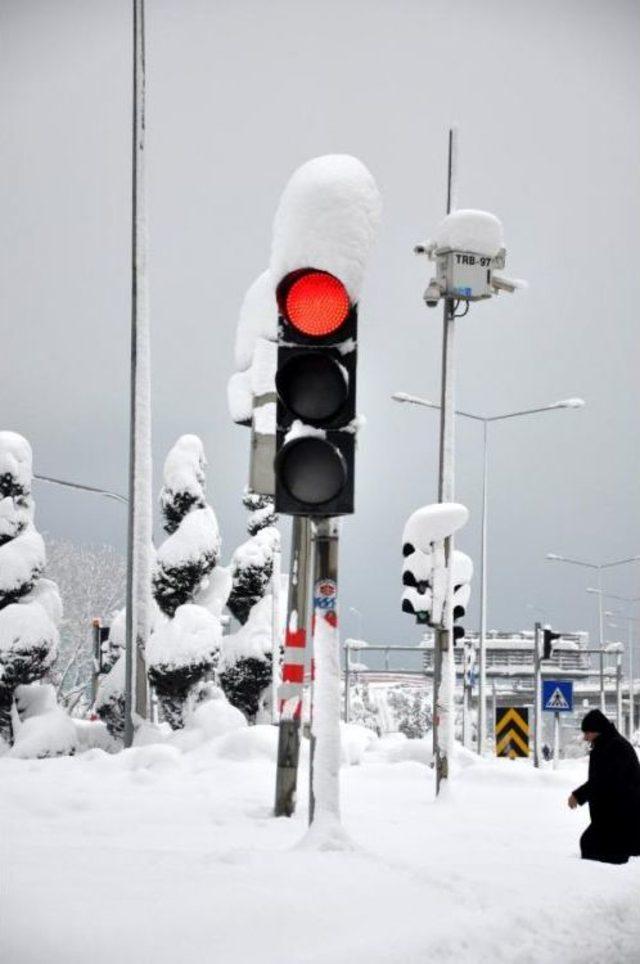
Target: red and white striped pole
column 297, row 660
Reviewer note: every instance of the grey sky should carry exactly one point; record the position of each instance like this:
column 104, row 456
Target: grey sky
column 239, row 94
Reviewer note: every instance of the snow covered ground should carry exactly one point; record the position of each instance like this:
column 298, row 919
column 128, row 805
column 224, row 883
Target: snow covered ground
column 169, row 853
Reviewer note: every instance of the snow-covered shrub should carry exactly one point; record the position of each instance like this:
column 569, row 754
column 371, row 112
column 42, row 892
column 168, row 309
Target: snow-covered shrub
column 44, row 729
column 109, row 704
column 183, row 648
column 30, row 608
column 252, row 562
column 362, row 710
column 180, row 652
column 245, row 663
column 412, row 710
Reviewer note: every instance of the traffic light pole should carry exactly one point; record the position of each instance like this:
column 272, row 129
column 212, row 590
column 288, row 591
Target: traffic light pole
column 324, row 785
column 444, row 668
column 537, row 696
column 295, row 658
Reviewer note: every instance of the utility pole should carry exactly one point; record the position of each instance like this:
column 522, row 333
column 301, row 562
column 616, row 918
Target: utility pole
column 556, row 740
column 296, row 655
column 140, row 496
column 537, row 696
column 619, row 723
column 444, row 668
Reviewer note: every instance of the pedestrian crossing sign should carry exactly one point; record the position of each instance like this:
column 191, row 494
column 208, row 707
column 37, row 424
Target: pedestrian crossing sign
column 557, row 695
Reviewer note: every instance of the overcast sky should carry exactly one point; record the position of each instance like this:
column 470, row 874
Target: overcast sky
column 546, row 95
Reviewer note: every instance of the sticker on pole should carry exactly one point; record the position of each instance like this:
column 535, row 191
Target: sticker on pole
column 557, row 695
column 325, row 595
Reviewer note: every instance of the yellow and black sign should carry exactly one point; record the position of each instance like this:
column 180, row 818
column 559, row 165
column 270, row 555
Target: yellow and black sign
column 512, row 731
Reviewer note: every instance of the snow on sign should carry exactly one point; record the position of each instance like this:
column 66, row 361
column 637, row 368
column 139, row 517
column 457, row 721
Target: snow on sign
column 557, row 696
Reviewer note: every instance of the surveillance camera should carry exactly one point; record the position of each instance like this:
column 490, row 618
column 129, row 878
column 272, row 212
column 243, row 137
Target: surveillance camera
column 433, row 294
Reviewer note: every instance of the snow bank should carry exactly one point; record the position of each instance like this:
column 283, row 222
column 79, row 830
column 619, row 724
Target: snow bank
column 355, row 741
column 254, row 742
column 326, row 219
column 43, row 729
column 192, row 635
column 469, row 230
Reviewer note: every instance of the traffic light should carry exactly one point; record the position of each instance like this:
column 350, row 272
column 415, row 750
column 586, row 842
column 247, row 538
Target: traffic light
column 462, row 574
column 548, row 639
column 316, row 387
column 424, row 572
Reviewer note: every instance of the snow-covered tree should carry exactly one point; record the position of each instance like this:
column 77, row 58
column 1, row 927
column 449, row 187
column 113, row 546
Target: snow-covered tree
column 245, row 664
column 30, row 606
column 92, row 583
column 189, row 592
column 246, row 667
column 252, row 562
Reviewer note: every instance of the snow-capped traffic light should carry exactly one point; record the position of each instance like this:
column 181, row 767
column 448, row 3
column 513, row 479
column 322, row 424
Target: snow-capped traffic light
column 316, row 387
column 548, row 639
column 425, row 574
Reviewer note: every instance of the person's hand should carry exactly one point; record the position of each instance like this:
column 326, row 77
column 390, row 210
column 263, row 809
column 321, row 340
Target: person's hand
column 573, row 803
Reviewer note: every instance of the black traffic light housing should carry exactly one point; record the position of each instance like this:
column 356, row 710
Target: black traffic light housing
column 316, row 386
column 458, row 613
column 548, row 640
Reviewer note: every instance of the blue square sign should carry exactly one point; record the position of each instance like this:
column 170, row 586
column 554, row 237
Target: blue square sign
column 557, row 695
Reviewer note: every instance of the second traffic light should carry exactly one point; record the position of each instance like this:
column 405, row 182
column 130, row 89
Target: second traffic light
column 316, row 386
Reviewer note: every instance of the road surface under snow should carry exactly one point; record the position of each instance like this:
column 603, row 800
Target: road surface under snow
column 168, row 853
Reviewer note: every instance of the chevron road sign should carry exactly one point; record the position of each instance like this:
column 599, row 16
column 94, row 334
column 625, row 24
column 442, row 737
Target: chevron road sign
column 512, row 731
column 557, row 695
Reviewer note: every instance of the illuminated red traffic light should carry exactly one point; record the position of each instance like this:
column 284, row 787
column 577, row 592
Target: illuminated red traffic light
column 317, row 304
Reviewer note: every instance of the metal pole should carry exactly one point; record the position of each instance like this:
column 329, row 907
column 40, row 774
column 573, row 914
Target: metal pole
column 556, row 740
column 347, row 685
column 482, row 649
column 619, row 724
column 537, row 697
column 324, row 796
column 295, row 656
column 275, row 634
column 603, row 698
column 139, row 528
column 97, row 659
column 444, row 668
column 494, row 702
column 631, row 683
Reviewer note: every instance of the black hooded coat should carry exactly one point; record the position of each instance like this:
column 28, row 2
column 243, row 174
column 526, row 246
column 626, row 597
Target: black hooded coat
column 613, row 794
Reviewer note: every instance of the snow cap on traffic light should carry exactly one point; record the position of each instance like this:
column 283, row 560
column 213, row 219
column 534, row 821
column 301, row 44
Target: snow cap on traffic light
column 326, row 220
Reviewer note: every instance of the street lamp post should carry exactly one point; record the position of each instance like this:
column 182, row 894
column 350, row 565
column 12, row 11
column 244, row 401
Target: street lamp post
column 598, row 566
column 486, row 420
column 630, row 620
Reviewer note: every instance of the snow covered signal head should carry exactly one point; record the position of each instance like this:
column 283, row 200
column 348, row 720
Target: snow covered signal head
column 313, row 302
column 316, row 385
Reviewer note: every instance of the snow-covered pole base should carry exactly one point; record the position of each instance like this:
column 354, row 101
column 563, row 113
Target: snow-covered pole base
column 325, row 830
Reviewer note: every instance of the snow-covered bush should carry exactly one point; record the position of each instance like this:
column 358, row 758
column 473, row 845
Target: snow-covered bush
column 183, row 648
column 412, row 710
column 44, row 729
column 180, row 652
column 252, row 562
column 362, row 709
column 30, row 608
column 109, row 704
column 245, row 663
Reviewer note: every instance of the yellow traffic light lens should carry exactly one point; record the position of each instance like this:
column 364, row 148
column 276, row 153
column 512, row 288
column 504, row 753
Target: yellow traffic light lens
column 317, row 304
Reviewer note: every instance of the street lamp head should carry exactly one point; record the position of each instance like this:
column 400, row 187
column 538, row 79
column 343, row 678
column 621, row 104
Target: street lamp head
column 554, row 556
column 598, row 592
column 570, row 403
column 413, row 399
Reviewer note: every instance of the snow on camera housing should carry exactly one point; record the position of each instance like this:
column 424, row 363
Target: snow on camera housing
column 315, row 382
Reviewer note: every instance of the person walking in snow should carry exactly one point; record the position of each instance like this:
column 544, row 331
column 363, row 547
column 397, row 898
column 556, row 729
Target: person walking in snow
column 612, row 792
